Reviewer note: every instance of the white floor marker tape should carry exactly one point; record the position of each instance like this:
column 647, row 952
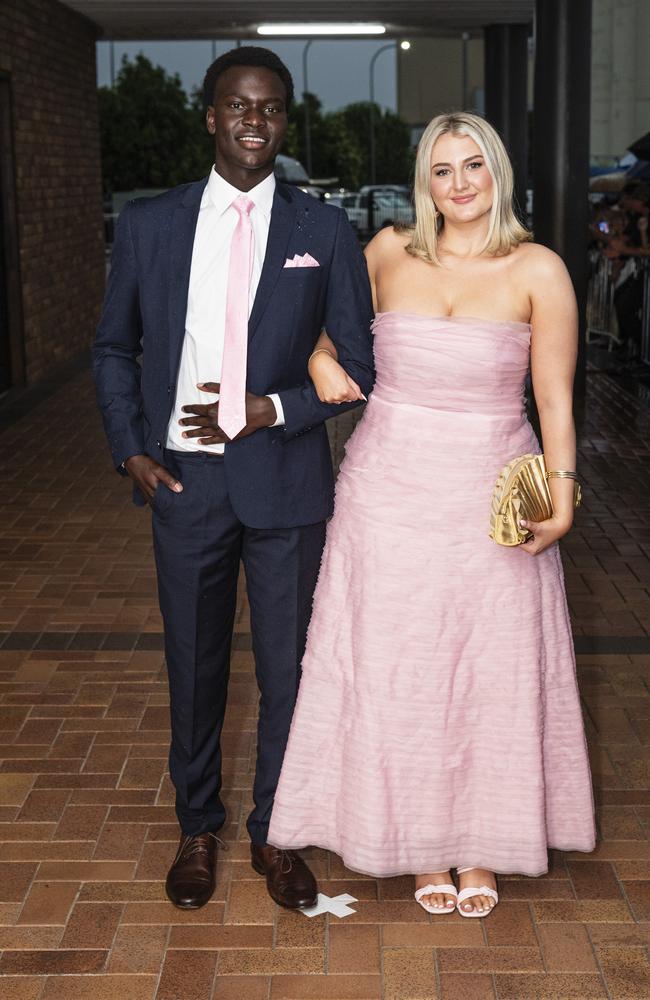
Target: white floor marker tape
column 336, row 905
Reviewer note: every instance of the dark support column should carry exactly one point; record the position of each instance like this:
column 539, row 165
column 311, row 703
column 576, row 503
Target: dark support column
column 12, row 341
column 562, row 105
column 506, row 91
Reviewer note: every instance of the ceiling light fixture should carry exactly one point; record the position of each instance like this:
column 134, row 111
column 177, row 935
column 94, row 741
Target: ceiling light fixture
column 307, row 30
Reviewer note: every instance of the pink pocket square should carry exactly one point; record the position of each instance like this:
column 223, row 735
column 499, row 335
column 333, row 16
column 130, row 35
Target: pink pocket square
column 305, row 261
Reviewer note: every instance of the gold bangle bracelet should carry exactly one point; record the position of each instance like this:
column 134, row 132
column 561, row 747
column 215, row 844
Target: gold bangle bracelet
column 561, row 474
column 320, row 350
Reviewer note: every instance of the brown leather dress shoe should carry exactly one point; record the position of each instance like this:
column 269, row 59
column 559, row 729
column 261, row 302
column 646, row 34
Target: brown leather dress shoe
column 191, row 878
column 288, row 879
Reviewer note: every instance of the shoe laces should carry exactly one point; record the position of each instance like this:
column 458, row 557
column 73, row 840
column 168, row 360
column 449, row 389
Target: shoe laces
column 286, row 861
column 192, row 845
column 220, row 843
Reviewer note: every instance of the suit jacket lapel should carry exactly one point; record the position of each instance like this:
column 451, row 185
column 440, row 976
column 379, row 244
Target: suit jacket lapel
column 181, row 242
column 283, row 216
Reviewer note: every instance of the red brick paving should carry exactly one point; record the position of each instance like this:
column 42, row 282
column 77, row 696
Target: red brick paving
column 87, row 827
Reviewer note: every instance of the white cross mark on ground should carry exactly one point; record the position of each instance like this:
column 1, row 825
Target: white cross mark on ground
column 336, row 905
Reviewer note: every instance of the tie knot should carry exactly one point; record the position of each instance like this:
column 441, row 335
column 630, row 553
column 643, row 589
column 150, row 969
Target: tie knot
column 243, row 205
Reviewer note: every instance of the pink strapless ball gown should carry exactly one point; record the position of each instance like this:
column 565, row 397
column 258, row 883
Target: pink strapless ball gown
column 438, row 720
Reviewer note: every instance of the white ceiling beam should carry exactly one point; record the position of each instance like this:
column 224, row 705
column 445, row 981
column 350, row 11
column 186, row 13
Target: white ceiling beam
column 179, row 19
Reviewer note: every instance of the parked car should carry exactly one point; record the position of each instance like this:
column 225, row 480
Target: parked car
column 376, row 206
column 344, row 200
column 292, row 172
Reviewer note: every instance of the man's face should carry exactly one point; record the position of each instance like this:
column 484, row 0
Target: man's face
column 248, row 120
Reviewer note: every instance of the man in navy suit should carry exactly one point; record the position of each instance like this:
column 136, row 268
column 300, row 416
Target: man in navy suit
column 166, row 354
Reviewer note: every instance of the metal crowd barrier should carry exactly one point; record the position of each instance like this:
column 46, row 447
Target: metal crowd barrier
column 602, row 320
column 601, row 314
column 645, row 315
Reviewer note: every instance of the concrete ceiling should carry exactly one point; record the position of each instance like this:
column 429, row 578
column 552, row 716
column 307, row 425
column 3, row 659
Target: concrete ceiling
column 176, row 19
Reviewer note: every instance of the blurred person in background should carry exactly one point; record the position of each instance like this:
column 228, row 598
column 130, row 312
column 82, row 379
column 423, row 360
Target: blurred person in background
column 620, row 233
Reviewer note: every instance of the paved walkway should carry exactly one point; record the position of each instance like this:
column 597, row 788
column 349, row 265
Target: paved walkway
column 87, row 827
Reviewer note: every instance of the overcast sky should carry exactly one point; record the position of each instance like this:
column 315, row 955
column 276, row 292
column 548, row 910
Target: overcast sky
column 338, row 72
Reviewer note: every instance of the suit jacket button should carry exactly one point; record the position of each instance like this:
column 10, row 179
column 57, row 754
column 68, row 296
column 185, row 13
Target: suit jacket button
column 159, row 444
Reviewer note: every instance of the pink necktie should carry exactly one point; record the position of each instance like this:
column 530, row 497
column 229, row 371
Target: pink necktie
column 232, row 397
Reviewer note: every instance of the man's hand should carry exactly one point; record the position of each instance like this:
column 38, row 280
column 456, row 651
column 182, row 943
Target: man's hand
column 204, row 424
column 148, row 475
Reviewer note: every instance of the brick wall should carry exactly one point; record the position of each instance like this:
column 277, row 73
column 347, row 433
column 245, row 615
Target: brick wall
column 49, row 53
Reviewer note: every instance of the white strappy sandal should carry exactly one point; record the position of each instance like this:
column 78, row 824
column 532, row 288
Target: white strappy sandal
column 469, row 892
column 426, row 890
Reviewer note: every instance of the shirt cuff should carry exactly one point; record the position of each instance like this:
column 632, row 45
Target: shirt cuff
column 275, row 399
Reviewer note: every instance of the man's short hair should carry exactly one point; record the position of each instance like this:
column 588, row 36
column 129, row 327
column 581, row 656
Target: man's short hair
column 246, row 55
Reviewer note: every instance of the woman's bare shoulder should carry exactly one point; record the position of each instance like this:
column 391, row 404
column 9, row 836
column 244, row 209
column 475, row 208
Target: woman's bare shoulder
column 388, row 242
column 538, row 261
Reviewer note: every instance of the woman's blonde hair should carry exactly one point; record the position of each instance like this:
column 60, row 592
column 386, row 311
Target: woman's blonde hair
column 505, row 231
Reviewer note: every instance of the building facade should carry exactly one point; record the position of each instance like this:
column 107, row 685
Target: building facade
column 435, row 76
column 52, row 255
column 620, row 76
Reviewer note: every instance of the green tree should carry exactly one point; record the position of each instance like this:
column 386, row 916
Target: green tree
column 151, row 135
column 393, row 154
column 342, row 156
column 296, row 142
column 340, row 143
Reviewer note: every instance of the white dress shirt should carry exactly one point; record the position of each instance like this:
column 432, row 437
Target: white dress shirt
column 202, row 353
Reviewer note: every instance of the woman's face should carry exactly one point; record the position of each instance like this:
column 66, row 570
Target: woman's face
column 461, row 184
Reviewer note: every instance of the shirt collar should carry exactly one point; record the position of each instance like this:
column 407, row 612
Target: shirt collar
column 221, row 194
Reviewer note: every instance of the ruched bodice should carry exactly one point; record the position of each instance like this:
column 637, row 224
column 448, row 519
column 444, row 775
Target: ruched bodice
column 449, row 393
column 438, row 721
column 451, row 363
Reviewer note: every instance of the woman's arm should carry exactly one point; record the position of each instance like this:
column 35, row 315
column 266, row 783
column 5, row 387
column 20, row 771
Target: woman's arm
column 347, row 316
column 331, row 381
column 554, row 349
column 324, row 343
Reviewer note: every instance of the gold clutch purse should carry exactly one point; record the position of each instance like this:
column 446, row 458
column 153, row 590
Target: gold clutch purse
column 521, row 493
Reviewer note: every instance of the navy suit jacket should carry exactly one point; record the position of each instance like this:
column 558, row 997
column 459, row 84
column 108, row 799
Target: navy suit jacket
column 277, row 476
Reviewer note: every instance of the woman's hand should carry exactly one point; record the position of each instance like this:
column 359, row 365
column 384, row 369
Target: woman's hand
column 545, row 533
column 331, row 381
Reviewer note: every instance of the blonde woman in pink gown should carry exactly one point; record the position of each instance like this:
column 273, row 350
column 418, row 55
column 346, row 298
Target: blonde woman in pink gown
column 438, row 723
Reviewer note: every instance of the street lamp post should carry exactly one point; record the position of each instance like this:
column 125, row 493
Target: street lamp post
column 465, row 69
column 373, row 156
column 325, row 30
column 305, row 97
